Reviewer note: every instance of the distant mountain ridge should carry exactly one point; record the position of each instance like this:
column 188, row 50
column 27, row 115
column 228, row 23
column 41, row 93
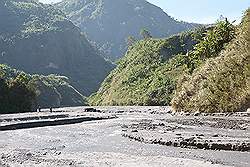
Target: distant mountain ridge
column 107, row 23
column 39, row 39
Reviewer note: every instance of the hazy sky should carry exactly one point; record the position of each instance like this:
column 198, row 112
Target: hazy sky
column 200, row 11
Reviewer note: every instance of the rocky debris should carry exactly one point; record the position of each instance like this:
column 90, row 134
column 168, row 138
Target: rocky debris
column 91, row 110
column 3, row 164
column 215, row 122
column 197, row 113
column 28, row 154
column 120, row 111
column 24, row 157
column 75, row 145
column 227, row 114
column 230, row 123
column 149, row 125
column 195, row 133
column 193, row 143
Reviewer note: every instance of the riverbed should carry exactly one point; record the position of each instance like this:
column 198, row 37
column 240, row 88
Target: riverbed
column 128, row 136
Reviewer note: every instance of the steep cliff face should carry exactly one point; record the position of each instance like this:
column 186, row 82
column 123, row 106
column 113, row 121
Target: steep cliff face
column 38, row 38
column 108, row 23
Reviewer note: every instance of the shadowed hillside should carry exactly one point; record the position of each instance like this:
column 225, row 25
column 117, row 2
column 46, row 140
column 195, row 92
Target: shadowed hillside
column 20, row 92
column 37, row 38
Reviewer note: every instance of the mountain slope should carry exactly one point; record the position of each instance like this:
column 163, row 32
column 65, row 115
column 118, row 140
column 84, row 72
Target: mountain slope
column 145, row 75
column 108, row 23
column 222, row 84
column 15, row 94
column 43, row 91
column 37, row 38
column 149, row 72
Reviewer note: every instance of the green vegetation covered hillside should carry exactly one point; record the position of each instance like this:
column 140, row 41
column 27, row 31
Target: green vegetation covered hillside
column 222, row 84
column 145, row 76
column 16, row 95
column 39, row 39
column 20, row 92
column 108, row 23
column 149, row 72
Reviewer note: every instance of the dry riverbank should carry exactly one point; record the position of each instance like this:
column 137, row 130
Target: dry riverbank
column 114, row 142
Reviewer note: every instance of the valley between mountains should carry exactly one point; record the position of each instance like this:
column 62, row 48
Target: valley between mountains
column 107, row 83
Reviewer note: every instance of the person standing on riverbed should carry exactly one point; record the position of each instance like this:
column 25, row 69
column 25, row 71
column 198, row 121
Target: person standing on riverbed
column 39, row 109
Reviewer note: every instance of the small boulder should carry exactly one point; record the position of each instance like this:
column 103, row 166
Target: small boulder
column 91, row 110
column 216, row 135
column 28, row 154
column 197, row 113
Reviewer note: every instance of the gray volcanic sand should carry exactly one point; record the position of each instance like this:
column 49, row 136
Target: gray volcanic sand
column 101, row 143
